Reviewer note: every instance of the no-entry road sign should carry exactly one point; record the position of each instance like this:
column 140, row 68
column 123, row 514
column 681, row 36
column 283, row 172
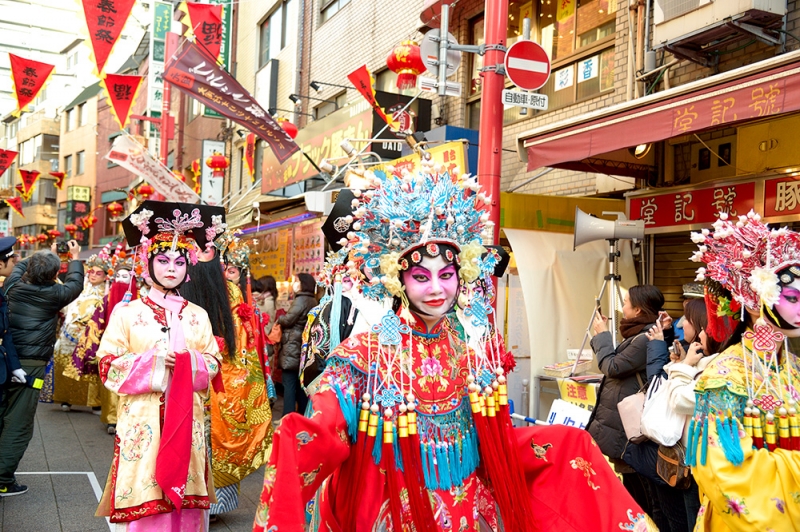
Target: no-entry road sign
column 527, row 65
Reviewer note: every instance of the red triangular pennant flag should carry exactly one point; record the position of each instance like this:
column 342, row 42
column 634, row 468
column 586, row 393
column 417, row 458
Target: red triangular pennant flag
column 362, row 80
column 29, row 77
column 59, row 184
column 6, row 158
column 105, row 20
column 26, row 197
column 29, row 178
column 122, row 91
column 16, row 204
column 205, row 22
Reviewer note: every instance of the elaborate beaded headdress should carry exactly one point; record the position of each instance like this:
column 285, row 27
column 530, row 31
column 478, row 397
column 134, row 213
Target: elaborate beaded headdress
column 97, row 262
column 164, row 226
column 744, row 256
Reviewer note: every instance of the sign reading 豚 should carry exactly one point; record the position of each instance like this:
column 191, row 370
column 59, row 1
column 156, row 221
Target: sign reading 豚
column 527, row 65
column 531, row 100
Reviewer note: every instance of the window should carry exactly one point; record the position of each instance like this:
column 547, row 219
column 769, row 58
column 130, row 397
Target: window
column 324, row 109
column 82, row 118
column 276, row 30
column 331, row 7
column 81, row 163
column 67, row 167
column 47, row 191
column 579, row 37
column 72, row 119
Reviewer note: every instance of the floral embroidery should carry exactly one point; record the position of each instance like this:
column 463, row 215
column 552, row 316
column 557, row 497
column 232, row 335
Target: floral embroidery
column 270, row 472
column 198, row 441
column 304, row 438
column 582, row 465
column 540, row 450
column 125, row 495
column 736, row 506
column 308, row 478
column 136, row 442
column 636, row 523
column 796, row 497
column 779, row 504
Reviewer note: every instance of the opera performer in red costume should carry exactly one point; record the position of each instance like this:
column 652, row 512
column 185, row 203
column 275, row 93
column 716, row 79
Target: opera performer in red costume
column 410, row 428
column 159, row 355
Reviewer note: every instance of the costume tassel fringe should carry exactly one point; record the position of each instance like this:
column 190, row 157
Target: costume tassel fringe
column 395, row 505
column 418, row 499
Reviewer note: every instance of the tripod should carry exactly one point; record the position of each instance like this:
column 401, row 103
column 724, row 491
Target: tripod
column 614, row 296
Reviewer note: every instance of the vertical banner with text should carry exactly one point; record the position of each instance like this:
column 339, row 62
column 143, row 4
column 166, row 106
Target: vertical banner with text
column 211, row 188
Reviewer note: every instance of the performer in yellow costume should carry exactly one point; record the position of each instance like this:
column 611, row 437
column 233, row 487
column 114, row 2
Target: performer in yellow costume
column 70, row 387
column 744, row 438
column 159, row 355
column 240, row 416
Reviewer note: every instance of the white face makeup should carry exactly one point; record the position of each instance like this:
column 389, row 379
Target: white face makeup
column 431, row 286
column 169, row 269
column 122, row 276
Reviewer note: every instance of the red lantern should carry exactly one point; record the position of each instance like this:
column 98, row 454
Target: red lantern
column 54, row 233
column 288, row 127
column 71, row 229
column 114, row 209
column 22, row 240
column 145, row 191
column 218, row 163
column 42, row 238
column 406, row 61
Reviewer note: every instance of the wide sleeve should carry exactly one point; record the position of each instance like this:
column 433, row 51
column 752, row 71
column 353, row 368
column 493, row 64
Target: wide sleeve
column 560, row 459
column 124, row 372
column 306, row 451
column 762, row 493
column 206, row 356
column 623, row 362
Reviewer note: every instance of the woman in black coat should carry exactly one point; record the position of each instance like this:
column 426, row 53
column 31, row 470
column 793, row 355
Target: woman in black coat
column 292, row 324
column 625, row 372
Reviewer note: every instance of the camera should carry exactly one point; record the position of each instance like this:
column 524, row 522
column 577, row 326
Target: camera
column 62, row 248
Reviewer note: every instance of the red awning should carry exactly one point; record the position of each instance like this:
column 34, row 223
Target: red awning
column 760, row 95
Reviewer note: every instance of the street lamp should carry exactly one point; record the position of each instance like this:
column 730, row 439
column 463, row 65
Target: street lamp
column 316, row 85
column 296, row 99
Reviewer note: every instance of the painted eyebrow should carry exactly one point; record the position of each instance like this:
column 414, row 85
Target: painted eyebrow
column 794, row 291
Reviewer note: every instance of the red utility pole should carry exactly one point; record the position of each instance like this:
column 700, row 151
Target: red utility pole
column 490, row 145
column 167, row 122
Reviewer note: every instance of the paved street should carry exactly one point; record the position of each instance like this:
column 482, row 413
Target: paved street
column 65, row 469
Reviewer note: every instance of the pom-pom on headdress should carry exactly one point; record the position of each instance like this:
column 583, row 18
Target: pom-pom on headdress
column 165, row 226
column 96, row 261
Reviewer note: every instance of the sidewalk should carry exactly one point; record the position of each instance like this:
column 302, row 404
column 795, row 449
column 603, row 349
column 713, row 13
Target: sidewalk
column 65, row 469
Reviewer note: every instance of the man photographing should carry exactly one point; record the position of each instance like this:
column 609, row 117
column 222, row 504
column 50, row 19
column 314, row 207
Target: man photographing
column 34, row 300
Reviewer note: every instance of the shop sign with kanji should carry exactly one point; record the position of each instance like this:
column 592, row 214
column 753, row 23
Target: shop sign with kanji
column 782, row 196
column 687, row 207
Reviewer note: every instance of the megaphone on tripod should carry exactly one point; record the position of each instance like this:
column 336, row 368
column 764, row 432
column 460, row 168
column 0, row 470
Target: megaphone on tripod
column 589, row 228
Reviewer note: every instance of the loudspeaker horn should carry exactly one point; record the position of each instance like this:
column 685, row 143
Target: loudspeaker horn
column 589, row 228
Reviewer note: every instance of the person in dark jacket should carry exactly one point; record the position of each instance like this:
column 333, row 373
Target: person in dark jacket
column 625, row 372
column 292, row 324
column 34, row 301
column 10, row 368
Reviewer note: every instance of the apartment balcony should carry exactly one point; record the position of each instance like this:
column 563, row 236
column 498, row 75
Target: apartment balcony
column 37, row 123
column 41, row 214
column 40, row 165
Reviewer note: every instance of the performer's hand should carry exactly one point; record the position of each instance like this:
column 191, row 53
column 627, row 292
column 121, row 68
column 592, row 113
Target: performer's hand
column 169, row 361
column 18, row 376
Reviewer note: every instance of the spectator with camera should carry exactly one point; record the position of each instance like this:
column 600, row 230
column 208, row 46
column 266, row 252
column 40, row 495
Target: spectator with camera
column 34, row 301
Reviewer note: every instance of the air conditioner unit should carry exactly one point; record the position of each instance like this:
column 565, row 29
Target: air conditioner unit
column 674, row 19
